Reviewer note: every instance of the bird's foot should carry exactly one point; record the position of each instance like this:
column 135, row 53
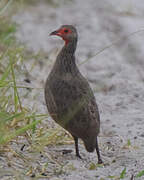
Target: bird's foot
column 100, row 161
column 79, row 156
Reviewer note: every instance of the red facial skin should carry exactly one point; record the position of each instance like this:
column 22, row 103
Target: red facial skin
column 63, row 32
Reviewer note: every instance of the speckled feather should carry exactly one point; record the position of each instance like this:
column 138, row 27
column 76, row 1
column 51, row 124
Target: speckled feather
column 70, row 100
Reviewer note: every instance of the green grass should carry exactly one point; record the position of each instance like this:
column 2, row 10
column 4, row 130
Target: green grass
column 123, row 173
column 53, row 3
column 140, row 174
column 15, row 118
column 18, row 121
column 7, row 30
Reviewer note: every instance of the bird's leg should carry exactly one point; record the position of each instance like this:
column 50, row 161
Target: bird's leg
column 76, row 147
column 98, row 153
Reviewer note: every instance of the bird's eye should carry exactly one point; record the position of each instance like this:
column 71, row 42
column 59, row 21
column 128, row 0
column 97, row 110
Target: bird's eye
column 66, row 30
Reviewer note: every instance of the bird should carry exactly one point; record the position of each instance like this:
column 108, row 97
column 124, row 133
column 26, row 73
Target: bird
column 69, row 98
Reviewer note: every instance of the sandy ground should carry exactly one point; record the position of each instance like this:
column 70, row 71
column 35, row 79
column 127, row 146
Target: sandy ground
column 116, row 75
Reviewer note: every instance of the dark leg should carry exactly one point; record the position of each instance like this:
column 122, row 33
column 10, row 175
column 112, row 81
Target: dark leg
column 76, row 147
column 98, row 153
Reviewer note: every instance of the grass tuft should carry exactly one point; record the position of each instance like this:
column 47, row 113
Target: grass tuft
column 7, row 30
column 20, row 125
column 123, row 173
column 140, row 174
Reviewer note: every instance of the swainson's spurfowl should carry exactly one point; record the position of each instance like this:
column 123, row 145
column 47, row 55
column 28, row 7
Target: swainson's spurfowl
column 69, row 98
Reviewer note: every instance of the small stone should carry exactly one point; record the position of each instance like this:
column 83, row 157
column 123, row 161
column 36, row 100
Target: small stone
column 66, row 151
column 136, row 95
column 22, row 148
column 33, row 175
column 142, row 135
column 27, row 80
column 113, row 125
column 43, row 174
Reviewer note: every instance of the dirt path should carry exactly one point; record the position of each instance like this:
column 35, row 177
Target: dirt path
column 116, row 75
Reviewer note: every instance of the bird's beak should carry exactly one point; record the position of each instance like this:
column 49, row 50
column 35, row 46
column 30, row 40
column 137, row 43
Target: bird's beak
column 53, row 33
column 57, row 33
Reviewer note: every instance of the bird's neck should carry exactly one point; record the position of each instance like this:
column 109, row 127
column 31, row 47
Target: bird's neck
column 69, row 47
column 66, row 58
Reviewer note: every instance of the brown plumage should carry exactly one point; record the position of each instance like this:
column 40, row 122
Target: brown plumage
column 69, row 98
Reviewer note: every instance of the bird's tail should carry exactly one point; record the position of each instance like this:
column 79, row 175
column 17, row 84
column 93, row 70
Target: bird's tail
column 90, row 145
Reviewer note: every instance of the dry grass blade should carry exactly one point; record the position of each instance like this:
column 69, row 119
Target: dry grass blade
column 5, row 6
column 112, row 44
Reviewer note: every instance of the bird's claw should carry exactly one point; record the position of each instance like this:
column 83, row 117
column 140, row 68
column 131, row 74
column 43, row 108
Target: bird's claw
column 78, row 155
column 100, row 161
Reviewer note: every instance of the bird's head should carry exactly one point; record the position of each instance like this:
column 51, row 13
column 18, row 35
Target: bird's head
column 67, row 32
